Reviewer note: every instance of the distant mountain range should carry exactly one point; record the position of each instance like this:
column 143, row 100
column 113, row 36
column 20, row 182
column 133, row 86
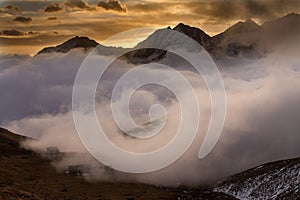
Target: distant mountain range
column 246, row 39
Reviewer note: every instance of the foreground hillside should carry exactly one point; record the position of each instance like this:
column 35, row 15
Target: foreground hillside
column 26, row 175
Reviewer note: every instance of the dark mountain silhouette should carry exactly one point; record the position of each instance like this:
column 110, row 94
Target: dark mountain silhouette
column 76, row 42
column 197, row 34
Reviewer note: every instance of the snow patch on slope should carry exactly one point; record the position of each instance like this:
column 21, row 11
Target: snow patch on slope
column 269, row 185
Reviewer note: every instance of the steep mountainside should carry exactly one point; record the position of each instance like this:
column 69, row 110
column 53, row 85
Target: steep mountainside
column 240, row 39
column 282, row 30
column 165, row 39
column 197, row 34
column 276, row 180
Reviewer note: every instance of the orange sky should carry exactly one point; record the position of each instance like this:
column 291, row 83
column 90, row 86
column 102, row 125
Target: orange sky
column 40, row 23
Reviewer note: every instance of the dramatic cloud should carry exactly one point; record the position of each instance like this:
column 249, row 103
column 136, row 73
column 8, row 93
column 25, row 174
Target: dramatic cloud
column 53, row 8
column 79, row 4
column 24, row 20
column 33, row 33
column 13, row 33
column 52, row 18
column 11, row 9
column 114, row 5
column 270, row 8
column 241, row 9
column 106, row 19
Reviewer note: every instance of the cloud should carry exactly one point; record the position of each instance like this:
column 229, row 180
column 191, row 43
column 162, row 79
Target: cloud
column 53, row 8
column 33, row 33
column 13, row 33
column 46, row 86
column 79, row 4
column 52, row 18
column 150, row 6
column 261, row 124
column 11, row 9
column 270, row 9
column 242, row 9
column 24, row 20
column 114, row 5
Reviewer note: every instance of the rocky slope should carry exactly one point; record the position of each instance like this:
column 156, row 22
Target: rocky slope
column 276, row 180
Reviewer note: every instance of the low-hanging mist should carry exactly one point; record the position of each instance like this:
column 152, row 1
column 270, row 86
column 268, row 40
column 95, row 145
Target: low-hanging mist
column 262, row 121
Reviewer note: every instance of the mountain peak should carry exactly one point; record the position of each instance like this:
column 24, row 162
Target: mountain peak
column 75, row 42
column 250, row 22
column 180, row 26
column 289, row 22
column 241, row 27
column 197, row 34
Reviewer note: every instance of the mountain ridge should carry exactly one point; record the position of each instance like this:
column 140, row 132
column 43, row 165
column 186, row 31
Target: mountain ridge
column 195, row 33
column 244, row 38
column 75, row 42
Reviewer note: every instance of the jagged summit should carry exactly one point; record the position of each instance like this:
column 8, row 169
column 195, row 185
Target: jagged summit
column 181, row 26
column 75, row 42
column 197, row 34
column 251, row 22
column 241, row 27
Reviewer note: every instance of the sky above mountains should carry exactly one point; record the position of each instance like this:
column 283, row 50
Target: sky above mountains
column 29, row 25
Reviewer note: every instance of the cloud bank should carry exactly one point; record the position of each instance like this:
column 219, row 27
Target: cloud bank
column 11, row 9
column 79, row 4
column 24, row 20
column 261, row 124
column 53, row 8
column 13, row 33
column 114, row 5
